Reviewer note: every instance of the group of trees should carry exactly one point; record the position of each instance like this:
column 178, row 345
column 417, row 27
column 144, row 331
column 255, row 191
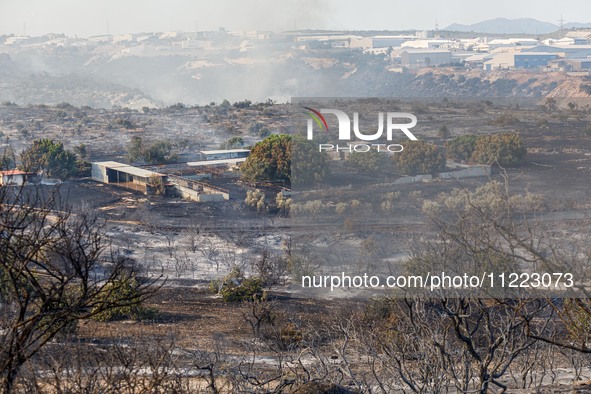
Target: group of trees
column 419, row 157
column 50, row 158
column 159, row 152
column 367, row 161
column 505, row 149
column 286, row 158
column 232, row 143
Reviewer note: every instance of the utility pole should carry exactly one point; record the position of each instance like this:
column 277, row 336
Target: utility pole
column 561, row 21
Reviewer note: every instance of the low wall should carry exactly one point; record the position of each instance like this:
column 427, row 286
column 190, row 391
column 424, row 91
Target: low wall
column 413, row 179
column 195, row 195
column 466, row 172
column 198, row 191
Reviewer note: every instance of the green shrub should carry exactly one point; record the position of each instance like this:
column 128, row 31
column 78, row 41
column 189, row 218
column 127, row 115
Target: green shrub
column 506, row 149
column 506, row 119
column 419, row 157
column 245, row 289
column 461, row 148
column 236, row 287
column 367, row 161
column 125, row 289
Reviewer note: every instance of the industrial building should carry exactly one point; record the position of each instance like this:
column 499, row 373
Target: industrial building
column 126, row 176
column 512, row 60
column 512, row 42
column 425, row 57
column 389, row 41
column 565, row 51
column 427, row 44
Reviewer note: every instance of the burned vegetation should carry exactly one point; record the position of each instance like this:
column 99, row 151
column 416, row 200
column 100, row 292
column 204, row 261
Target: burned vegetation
column 107, row 288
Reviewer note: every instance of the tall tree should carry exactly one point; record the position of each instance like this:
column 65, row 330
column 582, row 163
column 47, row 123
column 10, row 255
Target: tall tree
column 281, row 157
column 269, row 160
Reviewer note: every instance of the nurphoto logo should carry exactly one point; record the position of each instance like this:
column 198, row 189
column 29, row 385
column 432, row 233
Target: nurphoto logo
column 344, row 122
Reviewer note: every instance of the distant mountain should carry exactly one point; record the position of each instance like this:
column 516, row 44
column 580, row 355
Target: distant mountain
column 507, row 26
column 577, row 25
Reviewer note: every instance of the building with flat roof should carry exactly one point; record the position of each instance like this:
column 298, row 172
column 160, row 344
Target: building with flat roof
column 389, row 41
column 217, row 163
column 124, row 175
column 512, row 60
column 224, row 154
column 427, row 44
column 425, row 57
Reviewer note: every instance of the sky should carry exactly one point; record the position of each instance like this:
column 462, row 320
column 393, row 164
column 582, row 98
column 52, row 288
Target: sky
column 93, row 17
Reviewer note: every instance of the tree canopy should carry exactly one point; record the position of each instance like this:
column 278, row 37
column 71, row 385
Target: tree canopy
column 272, row 159
column 157, row 153
column 461, row 148
column 419, row 157
column 367, row 161
column 505, row 149
column 50, row 157
column 269, row 160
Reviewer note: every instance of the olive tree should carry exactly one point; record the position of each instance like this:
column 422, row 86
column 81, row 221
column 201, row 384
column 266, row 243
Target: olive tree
column 419, row 157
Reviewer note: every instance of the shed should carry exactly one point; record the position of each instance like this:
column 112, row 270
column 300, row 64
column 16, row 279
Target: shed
column 125, row 175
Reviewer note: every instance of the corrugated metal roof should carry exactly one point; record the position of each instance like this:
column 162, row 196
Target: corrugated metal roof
column 128, row 169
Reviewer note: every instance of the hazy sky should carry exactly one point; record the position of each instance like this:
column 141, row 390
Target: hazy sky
column 92, row 17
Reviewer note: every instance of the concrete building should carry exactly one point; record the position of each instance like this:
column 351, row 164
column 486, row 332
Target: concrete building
column 124, row 38
column 14, row 177
column 224, row 154
column 533, row 59
column 126, row 176
column 565, row 51
column 329, row 41
column 512, row 42
column 192, row 189
column 427, row 44
column 425, row 57
column 477, row 60
column 566, row 41
column 512, row 60
column 569, row 65
column 578, row 64
column 389, row 41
